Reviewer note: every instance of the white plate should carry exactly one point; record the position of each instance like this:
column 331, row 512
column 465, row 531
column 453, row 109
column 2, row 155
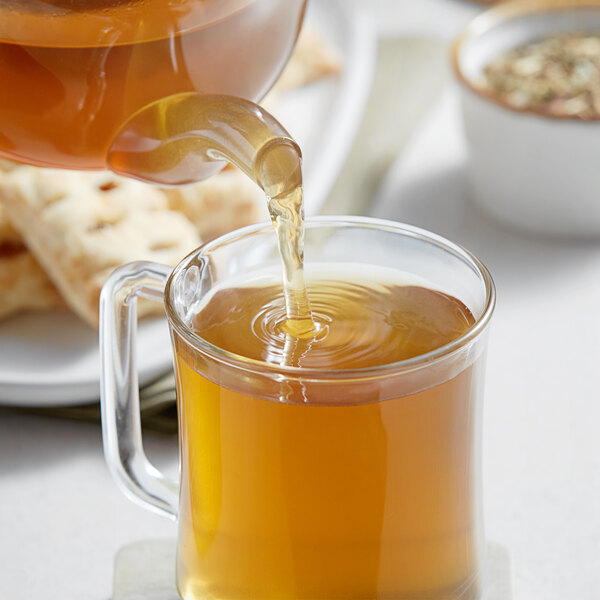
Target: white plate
column 53, row 360
column 324, row 117
column 438, row 19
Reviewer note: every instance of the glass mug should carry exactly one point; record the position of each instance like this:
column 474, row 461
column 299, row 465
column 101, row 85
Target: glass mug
column 310, row 483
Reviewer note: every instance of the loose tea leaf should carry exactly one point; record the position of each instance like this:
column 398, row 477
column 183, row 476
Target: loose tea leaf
column 557, row 76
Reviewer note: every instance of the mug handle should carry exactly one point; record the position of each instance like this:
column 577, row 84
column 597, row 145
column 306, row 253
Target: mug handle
column 119, row 392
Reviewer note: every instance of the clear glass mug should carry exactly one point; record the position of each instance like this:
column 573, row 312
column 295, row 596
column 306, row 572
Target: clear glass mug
column 300, row 483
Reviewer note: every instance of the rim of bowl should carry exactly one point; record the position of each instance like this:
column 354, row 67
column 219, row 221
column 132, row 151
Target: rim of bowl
column 324, row 374
column 502, row 12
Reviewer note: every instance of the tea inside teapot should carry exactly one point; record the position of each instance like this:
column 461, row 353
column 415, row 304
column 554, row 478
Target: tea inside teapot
column 75, row 71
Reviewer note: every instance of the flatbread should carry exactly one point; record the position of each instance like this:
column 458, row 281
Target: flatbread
column 220, row 204
column 313, row 59
column 24, row 285
column 81, row 226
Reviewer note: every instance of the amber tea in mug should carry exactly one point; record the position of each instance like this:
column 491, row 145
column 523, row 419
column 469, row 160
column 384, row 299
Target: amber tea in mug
column 340, row 465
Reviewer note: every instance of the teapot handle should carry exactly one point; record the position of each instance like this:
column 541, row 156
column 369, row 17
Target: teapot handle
column 120, row 404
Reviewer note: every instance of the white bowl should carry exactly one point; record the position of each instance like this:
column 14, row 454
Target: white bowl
column 529, row 170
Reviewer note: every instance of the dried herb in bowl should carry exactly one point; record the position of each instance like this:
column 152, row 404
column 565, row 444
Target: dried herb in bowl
column 558, row 76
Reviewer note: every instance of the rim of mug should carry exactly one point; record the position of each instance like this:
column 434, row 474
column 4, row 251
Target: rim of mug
column 315, row 373
column 502, row 12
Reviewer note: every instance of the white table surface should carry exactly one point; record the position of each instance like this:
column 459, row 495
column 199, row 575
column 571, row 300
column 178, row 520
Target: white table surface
column 62, row 519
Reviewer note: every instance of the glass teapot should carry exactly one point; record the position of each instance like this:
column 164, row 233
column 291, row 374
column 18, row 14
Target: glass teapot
column 127, row 84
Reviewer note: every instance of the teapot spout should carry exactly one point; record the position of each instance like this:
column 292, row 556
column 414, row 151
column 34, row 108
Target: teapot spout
column 187, row 137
